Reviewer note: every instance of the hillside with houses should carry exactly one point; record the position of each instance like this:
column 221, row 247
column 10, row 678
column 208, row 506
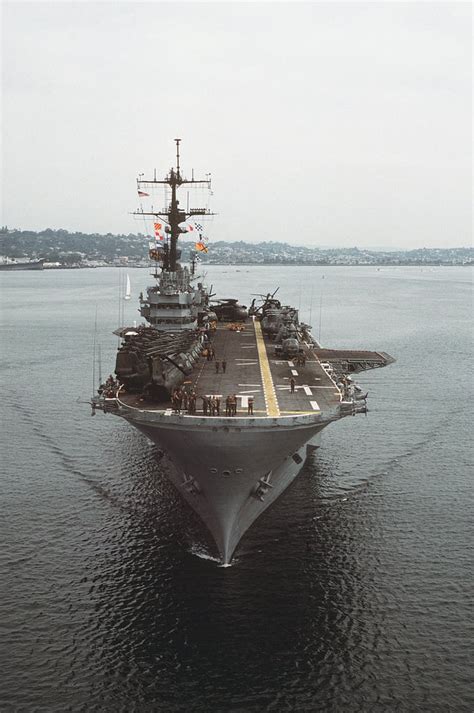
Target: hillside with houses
column 61, row 248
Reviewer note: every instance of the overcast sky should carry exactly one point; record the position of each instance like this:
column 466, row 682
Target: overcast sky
column 321, row 123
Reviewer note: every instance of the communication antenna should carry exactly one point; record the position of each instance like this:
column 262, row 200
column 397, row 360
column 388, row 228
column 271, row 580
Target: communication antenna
column 119, row 316
column 100, row 365
column 177, row 141
column 320, row 309
column 311, row 305
column 320, row 315
column 94, row 343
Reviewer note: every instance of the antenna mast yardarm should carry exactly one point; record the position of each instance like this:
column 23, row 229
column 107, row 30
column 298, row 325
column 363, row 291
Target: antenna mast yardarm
column 175, row 214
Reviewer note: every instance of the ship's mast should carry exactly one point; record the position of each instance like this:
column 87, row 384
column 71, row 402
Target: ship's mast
column 175, row 215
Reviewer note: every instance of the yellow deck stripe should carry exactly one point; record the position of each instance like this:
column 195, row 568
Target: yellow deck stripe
column 267, row 381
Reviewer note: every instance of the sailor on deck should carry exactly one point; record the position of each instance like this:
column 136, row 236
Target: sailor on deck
column 250, row 406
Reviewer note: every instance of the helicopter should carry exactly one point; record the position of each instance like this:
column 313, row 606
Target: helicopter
column 229, row 310
column 268, row 302
column 289, row 348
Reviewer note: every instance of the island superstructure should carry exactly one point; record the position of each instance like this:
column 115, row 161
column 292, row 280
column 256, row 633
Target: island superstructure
column 237, row 398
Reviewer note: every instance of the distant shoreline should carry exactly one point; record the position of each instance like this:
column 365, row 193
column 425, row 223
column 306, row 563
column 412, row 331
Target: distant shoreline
column 253, row 264
column 77, row 250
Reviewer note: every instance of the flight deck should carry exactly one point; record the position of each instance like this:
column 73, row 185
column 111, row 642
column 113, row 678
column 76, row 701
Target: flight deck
column 279, row 386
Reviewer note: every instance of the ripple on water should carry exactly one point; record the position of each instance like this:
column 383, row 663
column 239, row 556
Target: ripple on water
column 350, row 593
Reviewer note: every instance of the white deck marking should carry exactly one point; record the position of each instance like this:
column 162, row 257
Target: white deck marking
column 168, row 412
column 307, row 390
column 245, row 362
column 248, row 346
column 294, row 372
column 290, row 363
column 315, row 406
column 244, row 400
column 287, row 387
column 252, row 391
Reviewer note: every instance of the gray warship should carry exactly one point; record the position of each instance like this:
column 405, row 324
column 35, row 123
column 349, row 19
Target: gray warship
column 7, row 263
column 237, row 398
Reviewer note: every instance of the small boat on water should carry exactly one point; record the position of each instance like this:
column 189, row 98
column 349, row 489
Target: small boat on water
column 128, row 291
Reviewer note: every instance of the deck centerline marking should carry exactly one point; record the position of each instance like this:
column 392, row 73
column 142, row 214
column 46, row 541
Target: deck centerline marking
column 267, row 381
column 287, row 387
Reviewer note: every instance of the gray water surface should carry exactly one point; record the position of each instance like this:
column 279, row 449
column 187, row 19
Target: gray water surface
column 350, row 594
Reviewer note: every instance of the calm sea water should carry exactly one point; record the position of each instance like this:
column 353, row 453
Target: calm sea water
column 351, row 593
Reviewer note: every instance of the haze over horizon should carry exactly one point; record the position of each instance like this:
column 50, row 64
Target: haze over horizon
column 344, row 124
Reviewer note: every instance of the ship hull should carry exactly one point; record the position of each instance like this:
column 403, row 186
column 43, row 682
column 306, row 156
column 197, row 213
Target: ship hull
column 230, row 470
column 22, row 265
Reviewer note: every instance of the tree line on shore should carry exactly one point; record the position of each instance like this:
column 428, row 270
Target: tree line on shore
column 71, row 248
